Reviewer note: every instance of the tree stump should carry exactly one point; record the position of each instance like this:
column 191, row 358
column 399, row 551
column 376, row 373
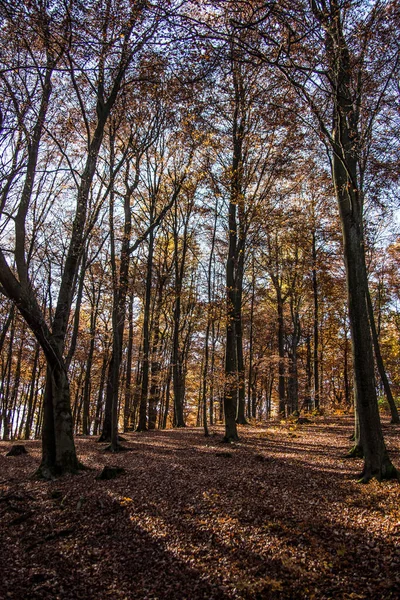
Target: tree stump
column 17, row 450
column 110, row 473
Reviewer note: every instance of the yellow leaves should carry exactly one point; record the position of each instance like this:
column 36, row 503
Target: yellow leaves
column 125, row 501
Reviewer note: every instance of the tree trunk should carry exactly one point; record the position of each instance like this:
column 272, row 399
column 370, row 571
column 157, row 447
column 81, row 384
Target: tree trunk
column 379, row 363
column 250, row 383
column 344, row 142
column 142, row 425
column 128, row 379
column 376, row 460
column 241, row 410
column 315, row 324
column 177, row 354
column 58, row 448
column 231, row 377
column 155, row 388
column 31, row 394
column 281, row 352
column 88, row 379
column 167, row 397
column 100, row 395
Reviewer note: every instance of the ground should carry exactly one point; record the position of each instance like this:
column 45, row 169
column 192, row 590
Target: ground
column 277, row 515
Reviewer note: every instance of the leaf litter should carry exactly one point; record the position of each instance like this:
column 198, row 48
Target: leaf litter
column 278, row 515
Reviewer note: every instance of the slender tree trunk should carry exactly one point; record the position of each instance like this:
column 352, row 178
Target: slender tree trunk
column 241, row 410
column 128, row 379
column 167, row 397
column 205, row 376
column 142, row 425
column 281, row 353
column 308, row 386
column 77, row 312
column 346, row 371
column 6, row 326
column 250, row 383
column 177, row 353
column 231, row 377
column 6, row 383
column 315, row 324
column 100, row 395
column 31, row 393
column 88, row 379
column 379, row 362
column 212, row 371
column 155, row 388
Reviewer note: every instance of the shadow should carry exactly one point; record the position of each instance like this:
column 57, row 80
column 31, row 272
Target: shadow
column 185, row 523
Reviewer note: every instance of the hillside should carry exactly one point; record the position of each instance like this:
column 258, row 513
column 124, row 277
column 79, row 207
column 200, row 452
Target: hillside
column 277, row 515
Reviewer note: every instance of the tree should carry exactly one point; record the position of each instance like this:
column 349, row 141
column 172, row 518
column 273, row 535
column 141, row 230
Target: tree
column 60, row 38
column 330, row 69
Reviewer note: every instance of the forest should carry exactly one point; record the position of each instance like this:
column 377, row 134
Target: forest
column 200, row 249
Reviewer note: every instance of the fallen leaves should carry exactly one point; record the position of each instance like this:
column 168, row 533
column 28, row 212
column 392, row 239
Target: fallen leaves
column 281, row 518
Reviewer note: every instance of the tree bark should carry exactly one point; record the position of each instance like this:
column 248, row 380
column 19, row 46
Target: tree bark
column 315, row 324
column 142, row 425
column 231, row 376
column 379, row 363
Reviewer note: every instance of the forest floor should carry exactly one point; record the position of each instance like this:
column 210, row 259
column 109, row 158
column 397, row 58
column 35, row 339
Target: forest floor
column 277, row 515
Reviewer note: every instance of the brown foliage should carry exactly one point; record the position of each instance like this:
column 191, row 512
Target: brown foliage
column 281, row 518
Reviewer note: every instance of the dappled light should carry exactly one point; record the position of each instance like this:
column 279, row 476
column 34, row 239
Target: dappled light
column 185, row 521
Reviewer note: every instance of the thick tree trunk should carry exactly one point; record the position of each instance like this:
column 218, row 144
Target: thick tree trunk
column 344, row 142
column 376, row 460
column 58, row 448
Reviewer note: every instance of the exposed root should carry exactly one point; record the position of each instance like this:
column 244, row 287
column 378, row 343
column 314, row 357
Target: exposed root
column 107, row 439
column 44, row 473
column 230, row 439
column 355, row 452
column 47, row 472
column 109, row 472
column 117, row 448
column 82, row 467
column 364, row 478
column 390, row 472
column 386, row 472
